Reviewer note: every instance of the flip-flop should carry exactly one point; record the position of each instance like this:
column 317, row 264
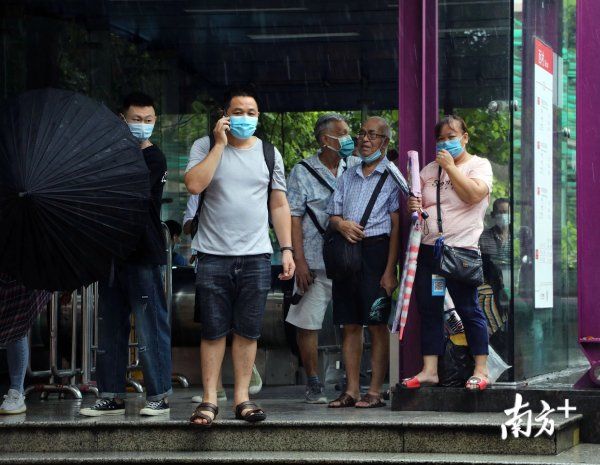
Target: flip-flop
column 373, row 401
column 414, row 383
column 475, row 383
column 204, row 407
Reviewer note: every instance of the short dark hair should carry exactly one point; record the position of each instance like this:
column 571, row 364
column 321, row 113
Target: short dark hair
column 174, row 228
column 136, row 99
column 238, row 91
column 452, row 121
column 498, row 201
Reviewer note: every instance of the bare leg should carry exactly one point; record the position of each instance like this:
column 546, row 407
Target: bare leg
column 211, row 359
column 380, row 353
column 243, row 352
column 429, row 373
column 352, row 346
column 481, row 369
column 308, row 341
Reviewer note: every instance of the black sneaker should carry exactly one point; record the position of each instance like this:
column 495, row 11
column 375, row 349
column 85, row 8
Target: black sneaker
column 315, row 394
column 104, row 407
column 155, row 407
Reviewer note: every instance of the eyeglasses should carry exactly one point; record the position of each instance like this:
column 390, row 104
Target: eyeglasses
column 371, row 135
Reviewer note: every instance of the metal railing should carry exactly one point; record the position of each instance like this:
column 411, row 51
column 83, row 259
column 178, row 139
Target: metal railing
column 84, row 308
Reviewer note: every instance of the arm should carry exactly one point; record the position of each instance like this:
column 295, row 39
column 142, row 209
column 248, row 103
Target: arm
column 353, row 232
column 469, row 190
column 281, row 218
column 389, row 281
column 187, row 227
column 199, row 177
column 303, row 276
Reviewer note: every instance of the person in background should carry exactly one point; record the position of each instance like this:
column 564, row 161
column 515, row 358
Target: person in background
column 465, row 182
column 136, row 285
column 310, row 185
column 19, row 308
column 363, row 298
column 495, row 244
column 175, row 233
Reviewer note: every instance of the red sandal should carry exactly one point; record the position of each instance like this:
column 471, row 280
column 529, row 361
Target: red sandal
column 475, row 383
column 414, row 383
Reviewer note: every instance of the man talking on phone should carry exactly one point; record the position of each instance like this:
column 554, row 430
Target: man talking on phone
column 241, row 180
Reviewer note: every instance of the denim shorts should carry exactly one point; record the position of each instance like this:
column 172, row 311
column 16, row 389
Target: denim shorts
column 232, row 294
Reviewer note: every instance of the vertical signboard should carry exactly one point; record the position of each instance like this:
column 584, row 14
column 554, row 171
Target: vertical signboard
column 543, row 139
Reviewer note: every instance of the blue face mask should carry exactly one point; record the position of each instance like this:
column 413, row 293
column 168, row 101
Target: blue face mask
column 372, row 158
column 243, row 127
column 346, row 146
column 453, row 146
column 141, row 131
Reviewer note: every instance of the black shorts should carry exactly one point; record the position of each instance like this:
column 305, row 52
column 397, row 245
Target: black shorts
column 354, row 296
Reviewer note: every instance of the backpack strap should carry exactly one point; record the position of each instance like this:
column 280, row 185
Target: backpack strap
column 373, row 199
column 269, row 154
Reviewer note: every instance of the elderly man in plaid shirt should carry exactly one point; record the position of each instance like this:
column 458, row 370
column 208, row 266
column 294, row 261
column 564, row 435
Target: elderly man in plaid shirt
column 310, row 185
column 363, row 299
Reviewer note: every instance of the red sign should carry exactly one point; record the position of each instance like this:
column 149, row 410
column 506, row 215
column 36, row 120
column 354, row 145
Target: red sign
column 544, row 56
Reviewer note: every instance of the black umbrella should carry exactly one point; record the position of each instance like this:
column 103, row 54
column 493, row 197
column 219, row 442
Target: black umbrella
column 73, row 189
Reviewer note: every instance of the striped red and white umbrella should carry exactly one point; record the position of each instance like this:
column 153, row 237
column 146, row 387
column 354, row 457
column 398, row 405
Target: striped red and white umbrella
column 412, row 250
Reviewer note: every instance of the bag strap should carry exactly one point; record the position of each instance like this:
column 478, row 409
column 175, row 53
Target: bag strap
column 373, row 199
column 316, row 175
column 438, row 206
column 313, row 217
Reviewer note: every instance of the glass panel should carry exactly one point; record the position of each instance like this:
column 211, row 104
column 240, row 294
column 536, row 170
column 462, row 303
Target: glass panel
column 475, row 83
column 545, row 252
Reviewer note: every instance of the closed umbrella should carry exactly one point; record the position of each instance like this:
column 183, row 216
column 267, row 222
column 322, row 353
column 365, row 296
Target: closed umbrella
column 73, row 189
column 412, row 250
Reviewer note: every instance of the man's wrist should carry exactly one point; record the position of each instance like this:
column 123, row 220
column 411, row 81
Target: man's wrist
column 287, row 248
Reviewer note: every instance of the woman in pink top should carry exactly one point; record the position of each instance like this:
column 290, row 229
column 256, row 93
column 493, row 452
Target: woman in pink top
column 466, row 183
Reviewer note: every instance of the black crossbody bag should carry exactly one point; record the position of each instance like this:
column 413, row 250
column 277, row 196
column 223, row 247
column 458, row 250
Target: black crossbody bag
column 342, row 258
column 457, row 263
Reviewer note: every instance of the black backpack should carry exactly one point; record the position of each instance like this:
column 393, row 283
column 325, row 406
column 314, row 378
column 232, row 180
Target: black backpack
column 268, row 153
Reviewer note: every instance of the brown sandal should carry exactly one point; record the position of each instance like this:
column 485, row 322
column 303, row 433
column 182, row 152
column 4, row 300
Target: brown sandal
column 345, row 400
column 373, row 401
column 206, row 407
column 254, row 414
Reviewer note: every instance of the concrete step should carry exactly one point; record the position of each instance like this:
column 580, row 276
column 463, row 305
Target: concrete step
column 583, row 453
column 413, row 432
column 499, row 398
column 55, row 426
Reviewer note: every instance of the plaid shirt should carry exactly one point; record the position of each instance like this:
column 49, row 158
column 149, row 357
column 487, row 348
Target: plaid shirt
column 304, row 191
column 19, row 307
column 352, row 195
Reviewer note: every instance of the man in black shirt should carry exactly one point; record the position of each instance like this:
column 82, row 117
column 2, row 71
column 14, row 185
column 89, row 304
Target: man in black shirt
column 136, row 285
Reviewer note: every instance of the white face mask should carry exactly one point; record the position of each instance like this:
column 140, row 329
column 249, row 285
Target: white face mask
column 502, row 220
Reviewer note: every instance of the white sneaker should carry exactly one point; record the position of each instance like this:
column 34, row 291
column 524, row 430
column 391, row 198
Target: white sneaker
column 255, row 381
column 14, row 403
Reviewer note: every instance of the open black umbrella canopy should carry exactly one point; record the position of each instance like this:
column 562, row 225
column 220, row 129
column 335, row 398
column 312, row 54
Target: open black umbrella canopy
column 73, row 189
